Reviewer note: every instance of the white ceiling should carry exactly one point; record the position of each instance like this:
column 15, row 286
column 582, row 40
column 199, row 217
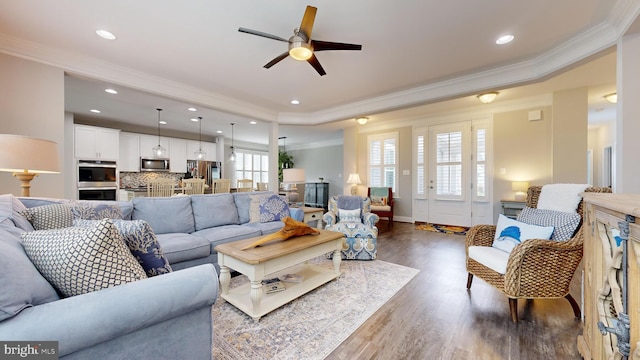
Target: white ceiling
column 418, row 57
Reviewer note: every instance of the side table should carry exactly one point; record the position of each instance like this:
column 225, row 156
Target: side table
column 313, row 214
column 512, row 208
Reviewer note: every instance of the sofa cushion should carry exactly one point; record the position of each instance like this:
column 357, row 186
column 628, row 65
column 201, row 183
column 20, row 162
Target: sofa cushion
column 182, row 247
column 214, row 210
column 80, row 260
column 142, row 243
column 564, row 223
column 54, row 216
column 17, row 273
column 493, row 258
column 227, row 233
column 510, row 233
column 98, row 210
column 165, row 214
column 12, row 208
column 30, row 202
column 266, row 228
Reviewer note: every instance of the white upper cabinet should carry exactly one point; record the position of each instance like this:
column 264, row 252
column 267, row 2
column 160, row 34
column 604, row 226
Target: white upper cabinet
column 208, row 147
column 129, row 152
column 148, row 142
column 178, row 155
column 91, row 142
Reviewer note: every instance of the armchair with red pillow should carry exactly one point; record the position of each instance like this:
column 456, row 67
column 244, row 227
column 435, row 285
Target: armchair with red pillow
column 382, row 202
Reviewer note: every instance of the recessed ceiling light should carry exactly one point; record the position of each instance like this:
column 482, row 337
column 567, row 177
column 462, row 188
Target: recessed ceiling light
column 504, row 39
column 295, row 102
column 106, row 34
column 219, row 132
column 162, row 122
column 192, row 109
column 111, row 91
column 96, row 111
column 252, row 122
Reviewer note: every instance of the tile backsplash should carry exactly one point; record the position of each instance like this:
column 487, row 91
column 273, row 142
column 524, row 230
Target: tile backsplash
column 140, row 179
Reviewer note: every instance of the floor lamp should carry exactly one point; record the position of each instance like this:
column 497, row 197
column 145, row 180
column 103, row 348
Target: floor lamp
column 26, row 157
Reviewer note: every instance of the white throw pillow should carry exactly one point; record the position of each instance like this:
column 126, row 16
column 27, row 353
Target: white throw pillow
column 510, row 233
column 561, row 197
column 349, row 216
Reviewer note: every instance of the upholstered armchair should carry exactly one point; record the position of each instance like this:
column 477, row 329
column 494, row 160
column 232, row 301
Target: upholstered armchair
column 352, row 216
column 382, row 202
column 535, row 268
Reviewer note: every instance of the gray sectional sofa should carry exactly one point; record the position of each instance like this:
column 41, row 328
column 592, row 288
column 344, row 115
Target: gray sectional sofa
column 167, row 316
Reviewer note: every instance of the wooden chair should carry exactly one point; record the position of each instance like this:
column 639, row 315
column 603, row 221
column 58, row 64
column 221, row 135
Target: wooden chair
column 193, row 186
column 221, row 186
column 245, row 185
column 262, row 186
column 384, row 209
column 160, row 187
column 536, row 268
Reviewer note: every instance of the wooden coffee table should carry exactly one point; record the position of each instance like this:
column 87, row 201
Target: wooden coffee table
column 274, row 259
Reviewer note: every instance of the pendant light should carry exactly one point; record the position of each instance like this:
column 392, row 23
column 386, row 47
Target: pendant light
column 232, row 156
column 200, row 154
column 286, row 164
column 159, row 151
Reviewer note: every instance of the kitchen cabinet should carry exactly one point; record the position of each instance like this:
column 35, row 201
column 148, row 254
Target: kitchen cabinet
column 148, row 142
column 208, row 147
column 316, row 195
column 96, row 143
column 611, row 279
column 178, row 155
column 129, row 159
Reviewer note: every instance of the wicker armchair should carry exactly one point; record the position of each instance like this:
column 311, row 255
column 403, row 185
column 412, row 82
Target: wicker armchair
column 536, row 268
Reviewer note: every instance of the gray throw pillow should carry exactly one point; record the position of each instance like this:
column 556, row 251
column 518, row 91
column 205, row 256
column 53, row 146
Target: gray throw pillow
column 564, row 223
column 54, row 216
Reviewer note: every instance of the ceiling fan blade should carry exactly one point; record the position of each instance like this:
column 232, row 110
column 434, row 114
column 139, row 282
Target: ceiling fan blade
column 328, row 45
column 313, row 60
column 260, row 33
column 307, row 21
column 276, row 60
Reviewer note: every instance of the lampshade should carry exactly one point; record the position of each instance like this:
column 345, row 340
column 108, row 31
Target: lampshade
column 293, row 176
column 354, row 179
column 520, row 187
column 612, row 98
column 26, row 157
column 488, row 97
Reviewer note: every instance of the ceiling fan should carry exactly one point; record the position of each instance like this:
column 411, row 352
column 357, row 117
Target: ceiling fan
column 301, row 46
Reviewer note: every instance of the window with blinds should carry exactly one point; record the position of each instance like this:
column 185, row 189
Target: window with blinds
column 383, row 160
column 449, row 164
column 252, row 165
column 481, row 163
column 420, row 166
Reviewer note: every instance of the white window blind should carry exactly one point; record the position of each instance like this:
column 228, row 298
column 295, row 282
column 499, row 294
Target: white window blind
column 251, row 165
column 449, row 163
column 481, row 158
column 420, row 166
column 383, row 159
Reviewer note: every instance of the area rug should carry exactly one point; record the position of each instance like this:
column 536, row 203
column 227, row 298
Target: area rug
column 312, row 326
column 447, row 229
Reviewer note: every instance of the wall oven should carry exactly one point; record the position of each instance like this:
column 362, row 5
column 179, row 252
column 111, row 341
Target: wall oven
column 97, row 180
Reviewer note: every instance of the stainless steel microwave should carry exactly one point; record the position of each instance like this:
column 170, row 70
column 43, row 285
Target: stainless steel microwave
column 147, row 164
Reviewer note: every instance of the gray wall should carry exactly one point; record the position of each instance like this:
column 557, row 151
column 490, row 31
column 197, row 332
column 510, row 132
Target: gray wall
column 325, row 162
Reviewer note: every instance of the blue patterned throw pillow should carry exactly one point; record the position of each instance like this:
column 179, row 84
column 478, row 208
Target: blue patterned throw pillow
column 95, row 210
column 349, row 216
column 142, row 243
column 273, row 208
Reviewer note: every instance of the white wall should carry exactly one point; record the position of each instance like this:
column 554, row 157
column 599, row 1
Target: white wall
column 32, row 104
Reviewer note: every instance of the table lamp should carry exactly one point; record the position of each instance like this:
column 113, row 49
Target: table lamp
column 293, row 176
column 26, row 157
column 354, row 180
column 520, row 187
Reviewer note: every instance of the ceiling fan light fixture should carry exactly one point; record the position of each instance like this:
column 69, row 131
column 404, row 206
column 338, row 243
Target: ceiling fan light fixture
column 299, row 49
column 488, row 97
column 612, row 98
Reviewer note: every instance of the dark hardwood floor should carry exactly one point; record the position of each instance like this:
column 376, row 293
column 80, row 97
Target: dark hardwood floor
column 435, row 317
